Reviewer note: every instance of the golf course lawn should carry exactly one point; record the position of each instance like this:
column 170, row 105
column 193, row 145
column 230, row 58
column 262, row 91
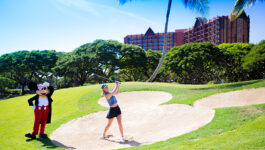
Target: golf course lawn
column 231, row 128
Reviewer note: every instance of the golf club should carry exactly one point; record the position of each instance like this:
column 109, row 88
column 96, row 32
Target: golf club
column 93, row 74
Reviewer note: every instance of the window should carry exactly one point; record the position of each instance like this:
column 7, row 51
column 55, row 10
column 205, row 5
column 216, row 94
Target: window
column 161, row 44
column 134, row 42
column 144, row 45
column 161, row 48
column 172, row 44
column 155, row 48
column 150, row 48
column 150, row 38
column 150, row 45
column 145, row 41
column 134, row 38
column 161, row 37
column 140, row 38
column 144, row 38
column 161, row 41
column 155, row 41
column 129, row 42
column 144, row 48
column 140, row 42
column 155, row 44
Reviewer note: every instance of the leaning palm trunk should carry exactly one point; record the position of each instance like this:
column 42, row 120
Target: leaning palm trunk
column 151, row 79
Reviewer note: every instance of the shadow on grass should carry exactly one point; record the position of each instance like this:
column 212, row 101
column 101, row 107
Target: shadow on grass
column 228, row 86
column 50, row 144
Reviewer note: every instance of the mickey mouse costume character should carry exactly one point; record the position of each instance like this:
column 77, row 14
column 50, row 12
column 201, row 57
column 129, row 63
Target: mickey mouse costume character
column 42, row 108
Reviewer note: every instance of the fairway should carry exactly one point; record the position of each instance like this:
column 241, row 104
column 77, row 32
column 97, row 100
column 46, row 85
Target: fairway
column 17, row 116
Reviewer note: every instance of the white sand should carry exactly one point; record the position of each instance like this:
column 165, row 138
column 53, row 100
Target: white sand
column 145, row 121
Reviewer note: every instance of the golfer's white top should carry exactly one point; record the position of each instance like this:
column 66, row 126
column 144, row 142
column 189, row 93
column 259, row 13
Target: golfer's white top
column 112, row 99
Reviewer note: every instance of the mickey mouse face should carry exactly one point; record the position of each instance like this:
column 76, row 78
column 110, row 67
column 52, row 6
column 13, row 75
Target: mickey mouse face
column 43, row 89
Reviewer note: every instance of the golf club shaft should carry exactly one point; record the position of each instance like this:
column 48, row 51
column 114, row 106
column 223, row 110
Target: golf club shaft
column 104, row 77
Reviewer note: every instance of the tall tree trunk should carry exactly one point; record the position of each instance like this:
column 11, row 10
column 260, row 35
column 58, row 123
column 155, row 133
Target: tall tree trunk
column 23, row 88
column 151, row 79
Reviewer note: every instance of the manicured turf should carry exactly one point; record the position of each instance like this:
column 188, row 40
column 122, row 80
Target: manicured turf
column 232, row 128
column 17, row 117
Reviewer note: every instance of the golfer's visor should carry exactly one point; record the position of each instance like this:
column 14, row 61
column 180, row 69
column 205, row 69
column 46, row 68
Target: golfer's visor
column 103, row 86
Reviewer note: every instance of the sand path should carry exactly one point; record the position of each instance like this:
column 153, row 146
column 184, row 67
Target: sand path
column 145, row 121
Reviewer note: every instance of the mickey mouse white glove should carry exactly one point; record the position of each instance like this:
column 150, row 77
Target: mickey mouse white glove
column 34, row 107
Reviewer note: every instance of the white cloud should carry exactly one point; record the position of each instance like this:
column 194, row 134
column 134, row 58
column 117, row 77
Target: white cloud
column 94, row 9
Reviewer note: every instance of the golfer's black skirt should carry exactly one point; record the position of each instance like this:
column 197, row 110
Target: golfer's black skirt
column 113, row 112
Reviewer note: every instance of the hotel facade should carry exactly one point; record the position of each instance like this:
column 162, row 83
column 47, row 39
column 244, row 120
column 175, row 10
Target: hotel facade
column 155, row 41
column 218, row 30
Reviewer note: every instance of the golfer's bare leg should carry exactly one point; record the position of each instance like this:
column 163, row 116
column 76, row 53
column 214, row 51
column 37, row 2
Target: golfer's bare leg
column 107, row 126
column 120, row 124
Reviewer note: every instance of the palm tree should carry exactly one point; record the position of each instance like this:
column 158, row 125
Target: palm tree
column 239, row 7
column 200, row 6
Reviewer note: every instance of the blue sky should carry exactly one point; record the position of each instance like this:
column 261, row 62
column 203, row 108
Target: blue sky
column 64, row 25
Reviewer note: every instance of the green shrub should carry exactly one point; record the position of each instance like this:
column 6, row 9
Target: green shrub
column 14, row 92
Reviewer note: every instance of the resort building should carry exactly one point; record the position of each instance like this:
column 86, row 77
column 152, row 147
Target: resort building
column 218, row 30
column 155, row 41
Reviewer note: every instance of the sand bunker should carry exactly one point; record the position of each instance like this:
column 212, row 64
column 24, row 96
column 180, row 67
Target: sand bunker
column 145, row 121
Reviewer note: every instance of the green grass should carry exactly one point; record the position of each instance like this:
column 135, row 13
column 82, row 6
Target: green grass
column 17, row 117
column 232, row 128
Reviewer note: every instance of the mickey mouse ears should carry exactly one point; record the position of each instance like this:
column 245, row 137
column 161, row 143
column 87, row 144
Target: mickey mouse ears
column 33, row 86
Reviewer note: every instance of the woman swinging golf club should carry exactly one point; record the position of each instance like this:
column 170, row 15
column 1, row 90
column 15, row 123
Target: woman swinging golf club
column 114, row 110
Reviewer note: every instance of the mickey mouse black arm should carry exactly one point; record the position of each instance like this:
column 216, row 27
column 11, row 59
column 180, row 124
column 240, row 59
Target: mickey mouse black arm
column 30, row 101
column 51, row 89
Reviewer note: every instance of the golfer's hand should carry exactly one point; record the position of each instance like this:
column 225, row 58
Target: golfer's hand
column 33, row 107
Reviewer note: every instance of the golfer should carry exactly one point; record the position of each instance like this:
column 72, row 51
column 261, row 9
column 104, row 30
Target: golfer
column 114, row 110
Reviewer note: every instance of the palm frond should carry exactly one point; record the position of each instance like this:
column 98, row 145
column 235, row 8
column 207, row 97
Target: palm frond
column 200, row 6
column 239, row 7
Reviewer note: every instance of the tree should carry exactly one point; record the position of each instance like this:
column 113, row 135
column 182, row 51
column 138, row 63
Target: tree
column 14, row 66
column 132, row 61
column 6, row 83
column 152, row 58
column 196, row 62
column 254, row 61
column 199, row 5
column 22, row 66
column 106, row 52
column 41, row 63
column 77, row 65
column 239, row 7
column 235, row 72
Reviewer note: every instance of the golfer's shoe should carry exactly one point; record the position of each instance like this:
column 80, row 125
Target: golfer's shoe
column 29, row 135
column 122, row 140
column 44, row 136
column 102, row 137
